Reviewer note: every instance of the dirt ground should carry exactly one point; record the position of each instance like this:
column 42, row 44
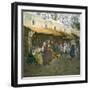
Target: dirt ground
column 63, row 66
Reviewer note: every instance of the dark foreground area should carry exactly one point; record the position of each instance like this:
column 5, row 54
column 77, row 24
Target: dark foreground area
column 63, row 66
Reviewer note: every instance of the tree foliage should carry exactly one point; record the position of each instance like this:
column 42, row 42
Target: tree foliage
column 75, row 22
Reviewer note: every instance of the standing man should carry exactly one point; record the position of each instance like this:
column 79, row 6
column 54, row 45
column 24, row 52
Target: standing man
column 72, row 52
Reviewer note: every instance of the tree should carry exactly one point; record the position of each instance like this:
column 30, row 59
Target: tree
column 54, row 16
column 75, row 23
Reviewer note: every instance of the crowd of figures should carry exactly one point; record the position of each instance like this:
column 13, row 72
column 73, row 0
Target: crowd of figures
column 50, row 50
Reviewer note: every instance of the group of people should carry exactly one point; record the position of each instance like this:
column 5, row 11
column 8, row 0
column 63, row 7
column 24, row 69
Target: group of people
column 50, row 50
